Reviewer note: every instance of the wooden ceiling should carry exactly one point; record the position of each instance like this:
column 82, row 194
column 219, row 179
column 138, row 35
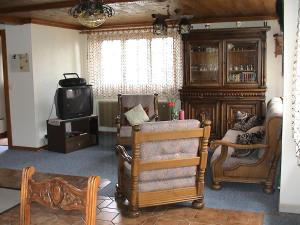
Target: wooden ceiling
column 135, row 13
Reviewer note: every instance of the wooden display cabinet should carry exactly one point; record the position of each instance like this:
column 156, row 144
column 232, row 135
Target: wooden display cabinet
column 69, row 135
column 224, row 72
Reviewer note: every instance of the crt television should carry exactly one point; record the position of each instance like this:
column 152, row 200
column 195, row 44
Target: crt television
column 73, row 102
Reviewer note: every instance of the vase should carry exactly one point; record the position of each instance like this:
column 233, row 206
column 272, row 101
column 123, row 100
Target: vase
column 173, row 113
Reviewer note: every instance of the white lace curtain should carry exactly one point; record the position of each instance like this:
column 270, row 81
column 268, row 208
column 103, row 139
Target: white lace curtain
column 134, row 61
column 296, row 93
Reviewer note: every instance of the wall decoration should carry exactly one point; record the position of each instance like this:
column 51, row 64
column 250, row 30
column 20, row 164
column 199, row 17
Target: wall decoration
column 20, row 62
column 278, row 44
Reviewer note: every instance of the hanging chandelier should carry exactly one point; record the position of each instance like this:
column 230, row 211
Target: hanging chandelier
column 160, row 26
column 91, row 13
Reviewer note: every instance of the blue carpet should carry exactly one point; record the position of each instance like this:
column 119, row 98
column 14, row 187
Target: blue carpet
column 101, row 160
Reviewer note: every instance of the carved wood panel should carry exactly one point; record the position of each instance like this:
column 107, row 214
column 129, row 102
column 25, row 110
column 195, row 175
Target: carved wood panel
column 57, row 194
column 201, row 110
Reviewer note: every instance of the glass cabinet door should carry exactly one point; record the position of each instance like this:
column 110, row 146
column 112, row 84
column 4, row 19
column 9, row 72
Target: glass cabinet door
column 205, row 68
column 242, row 65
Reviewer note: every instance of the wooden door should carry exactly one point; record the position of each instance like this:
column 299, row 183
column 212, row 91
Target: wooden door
column 230, row 109
column 198, row 109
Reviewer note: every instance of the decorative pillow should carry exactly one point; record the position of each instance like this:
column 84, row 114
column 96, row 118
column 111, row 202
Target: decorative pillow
column 246, row 121
column 253, row 136
column 136, row 115
column 125, row 120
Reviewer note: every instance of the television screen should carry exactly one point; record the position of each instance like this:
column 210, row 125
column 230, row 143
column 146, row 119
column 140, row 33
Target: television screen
column 72, row 102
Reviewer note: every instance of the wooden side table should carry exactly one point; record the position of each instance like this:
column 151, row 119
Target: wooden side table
column 69, row 135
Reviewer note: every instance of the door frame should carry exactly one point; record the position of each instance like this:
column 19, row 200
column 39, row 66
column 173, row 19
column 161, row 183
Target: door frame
column 6, row 87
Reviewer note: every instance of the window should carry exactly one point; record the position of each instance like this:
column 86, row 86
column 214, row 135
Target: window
column 137, row 62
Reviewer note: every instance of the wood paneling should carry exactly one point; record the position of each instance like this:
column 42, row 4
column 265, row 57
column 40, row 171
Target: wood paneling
column 139, row 12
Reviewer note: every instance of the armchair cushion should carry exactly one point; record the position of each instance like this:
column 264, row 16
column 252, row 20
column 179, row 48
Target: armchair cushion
column 255, row 135
column 164, row 174
column 130, row 101
column 246, row 121
column 169, row 149
column 125, row 131
column 164, row 150
column 162, row 184
column 231, row 136
column 136, row 115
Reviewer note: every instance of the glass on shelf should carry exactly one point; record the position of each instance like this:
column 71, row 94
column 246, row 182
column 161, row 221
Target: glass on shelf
column 242, row 67
column 242, row 47
column 242, row 77
column 204, row 67
column 204, row 49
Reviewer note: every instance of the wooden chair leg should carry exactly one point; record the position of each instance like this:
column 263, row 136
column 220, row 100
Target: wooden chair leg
column 268, row 188
column 216, row 185
column 119, row 194
column 199, row 203
column 133, row 212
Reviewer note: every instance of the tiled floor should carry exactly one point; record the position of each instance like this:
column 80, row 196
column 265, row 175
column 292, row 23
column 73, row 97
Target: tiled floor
column 111, row 213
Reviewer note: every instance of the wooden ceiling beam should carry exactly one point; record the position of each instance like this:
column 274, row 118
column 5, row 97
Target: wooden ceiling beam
column 12, row 20
column 52, row 5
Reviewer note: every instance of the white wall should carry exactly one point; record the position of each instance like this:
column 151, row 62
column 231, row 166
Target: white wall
column 54, row 51
column 18, row 40
column 273, row 64
column 290, row 172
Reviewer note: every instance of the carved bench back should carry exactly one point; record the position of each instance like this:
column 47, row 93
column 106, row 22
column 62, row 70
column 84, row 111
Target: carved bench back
column 56, row 193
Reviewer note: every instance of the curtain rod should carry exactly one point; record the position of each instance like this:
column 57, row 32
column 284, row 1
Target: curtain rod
column 137, row 27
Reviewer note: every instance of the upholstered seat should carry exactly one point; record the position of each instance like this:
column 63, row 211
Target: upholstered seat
column 256, row 168
column 231, row 136
column 167, row 166
column 125, row 103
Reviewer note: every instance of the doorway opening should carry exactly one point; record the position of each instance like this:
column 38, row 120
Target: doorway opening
column 5, row 121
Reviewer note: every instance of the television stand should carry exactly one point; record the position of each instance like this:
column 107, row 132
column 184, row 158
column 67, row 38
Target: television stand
column 69, row 135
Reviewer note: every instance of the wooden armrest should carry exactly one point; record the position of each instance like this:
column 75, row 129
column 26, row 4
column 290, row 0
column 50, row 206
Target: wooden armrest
column 153, row 118
column 216, row 143
column 123, row 153
column 118, row 119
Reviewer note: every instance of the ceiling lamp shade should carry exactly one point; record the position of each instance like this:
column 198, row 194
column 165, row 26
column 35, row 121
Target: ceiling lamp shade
column 91, row 13
column 184, row 26
column 160, row 26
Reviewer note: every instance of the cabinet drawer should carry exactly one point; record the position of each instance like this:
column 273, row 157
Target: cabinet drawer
column 77, row 142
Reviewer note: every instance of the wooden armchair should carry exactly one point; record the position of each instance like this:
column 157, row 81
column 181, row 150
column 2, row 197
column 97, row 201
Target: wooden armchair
column 260, row 169
column 125, row 103
column 56, row 193
column 167, row 164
